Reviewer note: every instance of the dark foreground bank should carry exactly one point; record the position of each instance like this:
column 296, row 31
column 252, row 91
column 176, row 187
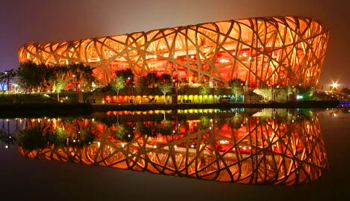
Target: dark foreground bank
column 79, row 109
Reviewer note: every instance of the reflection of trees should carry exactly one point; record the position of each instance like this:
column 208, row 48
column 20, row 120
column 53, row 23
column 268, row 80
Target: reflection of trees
column 55, row 133
column 238, row 149
column 236, row 121
column 204, row 122
column 6, row 136
column 31, row 139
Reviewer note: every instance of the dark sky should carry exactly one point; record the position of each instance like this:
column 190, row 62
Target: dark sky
column 56, row 20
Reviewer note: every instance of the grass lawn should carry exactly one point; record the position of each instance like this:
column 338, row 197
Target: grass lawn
column 25, row 98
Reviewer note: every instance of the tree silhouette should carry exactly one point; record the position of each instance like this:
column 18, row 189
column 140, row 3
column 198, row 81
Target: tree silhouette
column 117, row 84
column 236, row 87
column 204, row 90
column 165, row 89
column 29, row 75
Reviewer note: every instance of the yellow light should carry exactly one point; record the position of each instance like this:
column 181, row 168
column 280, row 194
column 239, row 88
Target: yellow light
column 335, row 84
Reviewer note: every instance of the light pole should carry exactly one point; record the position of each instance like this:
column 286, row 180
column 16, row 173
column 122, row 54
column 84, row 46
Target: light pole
column 334, row 86
column 76, row 88
column 175, row 84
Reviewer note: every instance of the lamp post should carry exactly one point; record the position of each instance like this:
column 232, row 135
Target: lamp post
column 76, row 88
column 334, row 86
column 175, row 84
column 243, row 86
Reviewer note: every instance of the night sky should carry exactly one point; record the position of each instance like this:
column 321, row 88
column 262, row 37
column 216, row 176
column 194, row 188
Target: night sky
column 56, row 20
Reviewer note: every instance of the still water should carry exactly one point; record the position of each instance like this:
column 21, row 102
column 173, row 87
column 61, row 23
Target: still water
column 207, row 154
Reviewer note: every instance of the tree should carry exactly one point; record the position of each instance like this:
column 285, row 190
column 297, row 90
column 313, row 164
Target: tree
column 345, row 91
column 204, row 90
column 151, row 79
column 183, row 89
column 80, row 75
column 164, row 78
column 165, row 88
column 140, row 86
column 117, row 84
column 250, row 93
column 265, row 92
column 289, row 91
column 277, row 92
column 59, row 85
column 128, row 76
column 46, row 73
column 306, row 93
column 236, row 87
column 28, row 75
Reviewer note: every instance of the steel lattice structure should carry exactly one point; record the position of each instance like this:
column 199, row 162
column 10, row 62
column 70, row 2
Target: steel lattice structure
column 258, row 151
column 260, row 51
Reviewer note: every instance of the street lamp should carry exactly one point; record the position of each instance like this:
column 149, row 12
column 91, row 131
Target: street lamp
column 334, row 85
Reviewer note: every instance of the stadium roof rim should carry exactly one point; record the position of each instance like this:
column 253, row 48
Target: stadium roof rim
column 199, row 24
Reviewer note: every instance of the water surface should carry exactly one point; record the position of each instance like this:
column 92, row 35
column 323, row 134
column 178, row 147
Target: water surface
column 286, row 152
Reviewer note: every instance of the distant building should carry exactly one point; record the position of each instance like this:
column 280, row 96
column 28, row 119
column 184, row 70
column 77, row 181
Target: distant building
column 3, row 87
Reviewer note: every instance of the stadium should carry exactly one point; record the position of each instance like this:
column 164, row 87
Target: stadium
column 266, row 51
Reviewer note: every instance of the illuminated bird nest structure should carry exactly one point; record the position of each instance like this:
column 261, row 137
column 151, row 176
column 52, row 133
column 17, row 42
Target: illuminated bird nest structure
column 249, row 151
column 260, row 51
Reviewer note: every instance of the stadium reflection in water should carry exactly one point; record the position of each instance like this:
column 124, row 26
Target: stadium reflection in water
column 266, row 147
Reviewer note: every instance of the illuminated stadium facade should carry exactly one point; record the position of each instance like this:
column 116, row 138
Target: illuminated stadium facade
column 266, row 51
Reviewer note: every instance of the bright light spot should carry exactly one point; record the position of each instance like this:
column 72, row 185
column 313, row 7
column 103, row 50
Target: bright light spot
column 299, row 97
column 224, row 141
column 335, row 84
column 223, row 60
